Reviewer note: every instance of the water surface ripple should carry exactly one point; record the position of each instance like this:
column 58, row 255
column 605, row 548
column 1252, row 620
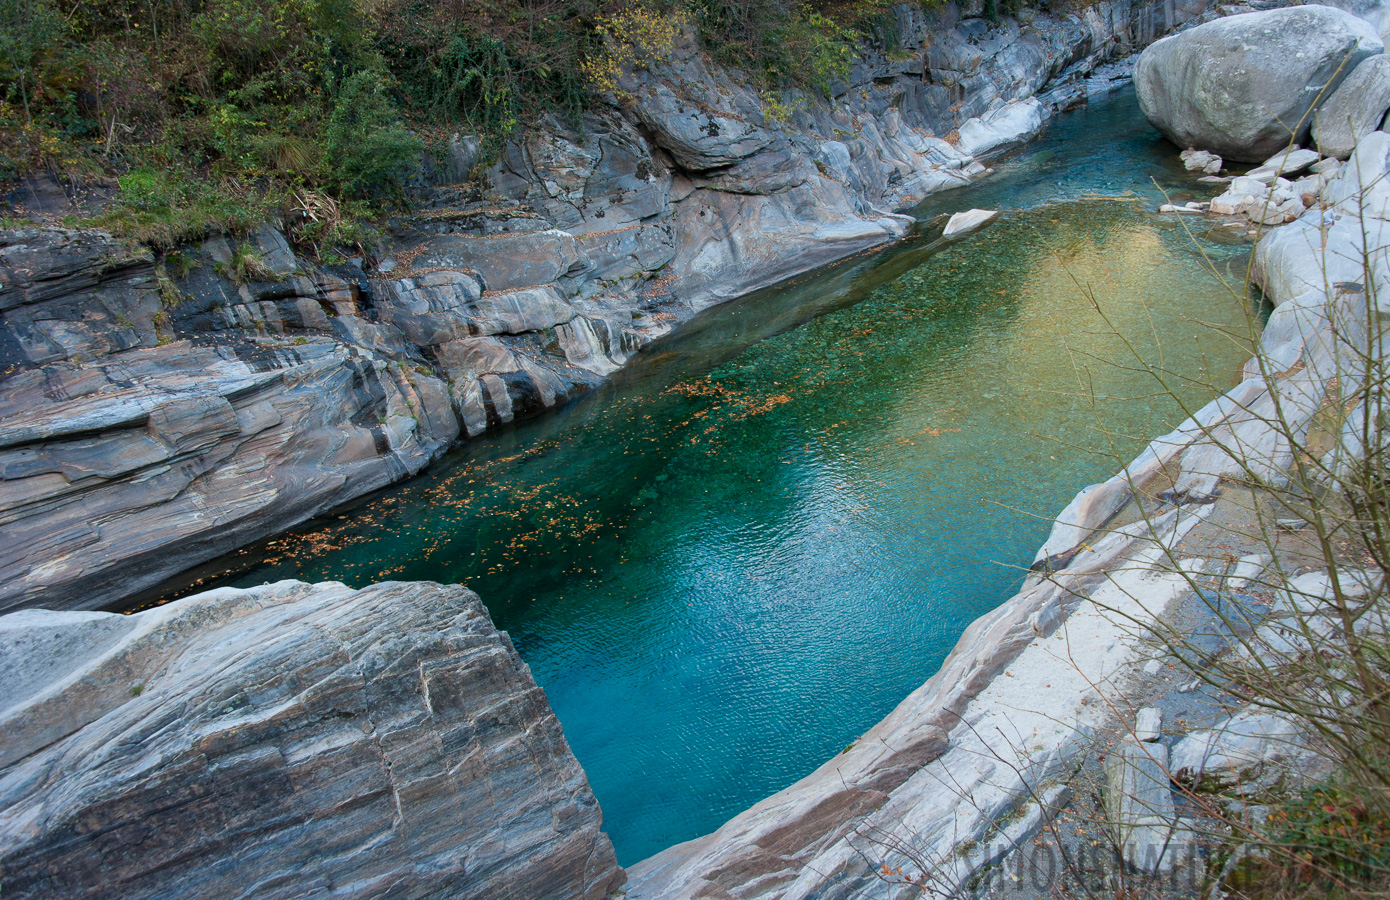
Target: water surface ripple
column 732, row 561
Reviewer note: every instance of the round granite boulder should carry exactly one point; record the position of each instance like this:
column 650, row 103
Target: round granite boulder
column 1355, row 109
column 1243, row 86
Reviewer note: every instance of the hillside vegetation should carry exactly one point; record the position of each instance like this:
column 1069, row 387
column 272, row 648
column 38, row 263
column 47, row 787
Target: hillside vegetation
column 212, row 114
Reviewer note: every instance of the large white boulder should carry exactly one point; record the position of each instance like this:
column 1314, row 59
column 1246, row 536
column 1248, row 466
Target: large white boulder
column 1010, row 124
column 1243, row 86
column 1355, row 109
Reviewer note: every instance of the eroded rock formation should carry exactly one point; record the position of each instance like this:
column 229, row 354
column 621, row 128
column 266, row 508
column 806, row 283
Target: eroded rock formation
column 159, row 412
column 291, row 741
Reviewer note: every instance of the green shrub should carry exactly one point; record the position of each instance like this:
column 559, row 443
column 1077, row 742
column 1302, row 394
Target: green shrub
column 1335, row 830
column 29, row 32
column 243, row 104
column 369, row 151
column 164, row 208
column 489, row 67
column 787, row 42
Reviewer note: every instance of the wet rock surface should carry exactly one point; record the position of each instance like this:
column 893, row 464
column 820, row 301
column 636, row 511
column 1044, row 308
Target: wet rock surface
column 291, row 740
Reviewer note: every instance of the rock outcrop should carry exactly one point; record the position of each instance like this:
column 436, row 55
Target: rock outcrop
column 1331, row 249
column 1355, row 109
column 969, row 767
column 290, row 741
column 1244, row 86
column 1253, row 749
column 1139, row 806
column 126, row 456
column 159, row 411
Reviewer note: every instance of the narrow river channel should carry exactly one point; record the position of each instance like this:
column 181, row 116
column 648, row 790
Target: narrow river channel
column 730, row 562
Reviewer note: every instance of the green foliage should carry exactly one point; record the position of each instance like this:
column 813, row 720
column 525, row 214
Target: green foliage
column 780, row 111
column 212, row 112
column 249, row 38
column 632, row 38
column 164, row 208
column 369, row 152
column 247, row 265
column 29, row 30
column 1336, row 830
column 489, row 67
column 819, row 51
column 478, row 82
column 787, row 42
column 995, row 10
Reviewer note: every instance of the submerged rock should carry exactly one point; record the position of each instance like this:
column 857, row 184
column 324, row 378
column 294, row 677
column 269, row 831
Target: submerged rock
column 291, row 740
column 968, row 222
column 1243, row 86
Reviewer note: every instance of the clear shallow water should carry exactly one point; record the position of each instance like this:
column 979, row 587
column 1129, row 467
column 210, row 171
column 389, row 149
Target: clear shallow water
column 732, row 561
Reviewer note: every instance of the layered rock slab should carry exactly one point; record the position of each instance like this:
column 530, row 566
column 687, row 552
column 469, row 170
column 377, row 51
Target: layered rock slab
column 290, row 740
column 118, row 475
column 141, row 435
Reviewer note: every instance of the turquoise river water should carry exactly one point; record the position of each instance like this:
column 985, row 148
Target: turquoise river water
column 730, row 562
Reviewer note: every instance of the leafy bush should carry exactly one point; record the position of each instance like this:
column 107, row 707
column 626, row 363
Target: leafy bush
column 790, row 42
column 488, row 66
column 369, row 152
column 29, row 29
column 1334, row 829
column 632, row 38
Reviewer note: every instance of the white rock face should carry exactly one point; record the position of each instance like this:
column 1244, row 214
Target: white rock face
column 968, row 222
column 287, row 741
column 1249, row 746
column 1289, row 161
column 1201, row 161
column 1147, row 723
column 1242, row 86
column 1010, row 124
column 1355, row 109
column 1339, row 245
column 1375, row 12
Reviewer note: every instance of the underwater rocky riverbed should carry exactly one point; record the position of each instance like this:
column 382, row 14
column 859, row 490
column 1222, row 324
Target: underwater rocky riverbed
column 732, row 560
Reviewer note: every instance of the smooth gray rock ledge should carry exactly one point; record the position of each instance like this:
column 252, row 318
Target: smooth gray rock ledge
column 287, row 741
